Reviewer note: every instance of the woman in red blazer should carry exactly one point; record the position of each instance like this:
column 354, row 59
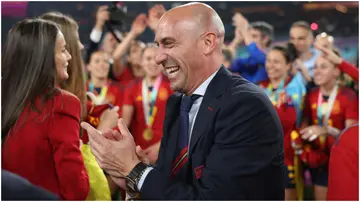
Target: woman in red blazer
column 40, row 128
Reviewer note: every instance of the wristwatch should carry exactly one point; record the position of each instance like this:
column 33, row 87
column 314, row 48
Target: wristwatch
column 134, row 176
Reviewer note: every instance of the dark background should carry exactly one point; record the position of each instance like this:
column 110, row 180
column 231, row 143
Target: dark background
column 337, row 18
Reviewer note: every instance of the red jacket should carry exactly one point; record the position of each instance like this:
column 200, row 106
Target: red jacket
column 44, row 147
column 344, row 167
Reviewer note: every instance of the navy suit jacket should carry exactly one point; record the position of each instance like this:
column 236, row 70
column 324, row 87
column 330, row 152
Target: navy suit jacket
column 14, row 187
column 236, row 147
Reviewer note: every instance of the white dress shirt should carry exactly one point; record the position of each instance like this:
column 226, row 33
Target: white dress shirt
column 192, row 117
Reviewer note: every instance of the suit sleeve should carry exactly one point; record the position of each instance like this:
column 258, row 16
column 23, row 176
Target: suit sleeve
column 64, row 138
column 14, row 187
column 239, row 159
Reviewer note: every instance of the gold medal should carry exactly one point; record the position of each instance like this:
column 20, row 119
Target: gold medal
column 148, row 134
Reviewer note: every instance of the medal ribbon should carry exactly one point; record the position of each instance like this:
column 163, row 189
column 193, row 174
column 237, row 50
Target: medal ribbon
column 101, row 97
column 149, row 105
column 323, row 116
column 274, row 96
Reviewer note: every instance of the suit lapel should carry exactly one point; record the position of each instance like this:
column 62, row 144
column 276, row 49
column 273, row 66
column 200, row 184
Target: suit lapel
column 171, row 128
column 208, row 106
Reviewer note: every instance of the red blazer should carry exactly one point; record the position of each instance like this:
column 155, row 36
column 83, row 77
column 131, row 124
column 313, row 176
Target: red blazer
column 44, row 147
column 344, row 167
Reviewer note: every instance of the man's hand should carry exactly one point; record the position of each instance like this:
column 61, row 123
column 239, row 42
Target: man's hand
column 313, row 132
column 153, row 152
column 155, row 13
column 139, row 24
column 119, row 182
column 102, row 15
column 142, row 155
column 117, row 158
column 303, row 70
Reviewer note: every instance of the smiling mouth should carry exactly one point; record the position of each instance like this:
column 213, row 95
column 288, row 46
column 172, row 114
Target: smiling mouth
column 172, row 70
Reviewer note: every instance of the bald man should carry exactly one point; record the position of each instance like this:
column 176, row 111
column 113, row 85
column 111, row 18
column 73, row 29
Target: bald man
column 222, row 137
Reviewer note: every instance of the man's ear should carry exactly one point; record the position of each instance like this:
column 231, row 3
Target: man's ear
column 209, row 43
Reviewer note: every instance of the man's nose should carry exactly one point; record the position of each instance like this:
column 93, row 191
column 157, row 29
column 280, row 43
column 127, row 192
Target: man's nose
column 160, row 58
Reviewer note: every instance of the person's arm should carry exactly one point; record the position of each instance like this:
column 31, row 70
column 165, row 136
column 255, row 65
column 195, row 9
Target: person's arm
column 249, row 64
column 235, row 42
column 303, row 70
column 256, row 55
column 64, row 138
column 349, row 69
column 14, row 187
column 127, row 114
column 339, row 62
column 228, row 173
column 128, row 103
column 137, row 28
column 102, row 15
column 352, row 108
column 155, row 13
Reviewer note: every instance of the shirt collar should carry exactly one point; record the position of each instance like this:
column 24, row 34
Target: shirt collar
column 202, row 88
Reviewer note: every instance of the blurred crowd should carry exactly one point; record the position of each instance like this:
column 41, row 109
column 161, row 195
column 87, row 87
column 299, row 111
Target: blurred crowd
column 314, row 90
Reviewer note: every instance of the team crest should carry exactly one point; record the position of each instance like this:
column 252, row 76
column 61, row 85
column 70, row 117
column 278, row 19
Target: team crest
column 139, row 98
column 163, row 94
column 336, row 107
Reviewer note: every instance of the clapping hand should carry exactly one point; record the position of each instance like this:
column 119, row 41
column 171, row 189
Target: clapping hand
column 153, row 152
column 115, row 151
column 239, row 21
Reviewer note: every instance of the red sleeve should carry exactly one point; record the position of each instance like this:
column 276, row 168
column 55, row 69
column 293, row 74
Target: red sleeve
column 129, row 93
column 352, row 106
column 349, row 69
column 64, row 138
column 344, row 167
